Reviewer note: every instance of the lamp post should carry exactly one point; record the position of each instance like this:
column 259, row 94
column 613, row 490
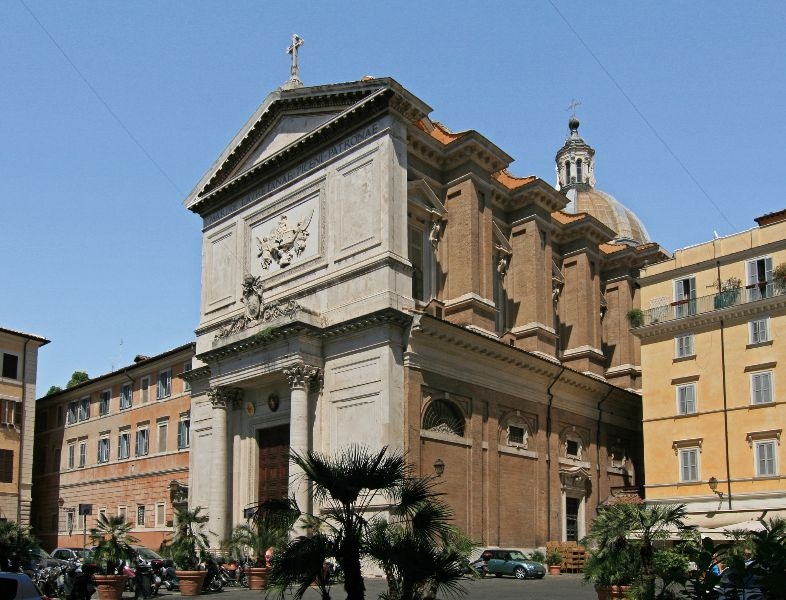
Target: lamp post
column 439, row 467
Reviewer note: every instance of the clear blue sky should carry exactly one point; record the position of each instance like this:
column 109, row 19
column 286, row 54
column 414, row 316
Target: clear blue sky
column 112, row 110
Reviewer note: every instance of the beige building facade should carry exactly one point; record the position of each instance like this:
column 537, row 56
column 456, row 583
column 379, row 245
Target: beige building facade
column 712, row 347
column 19, row 364
column 370, row 277
column 118, row 444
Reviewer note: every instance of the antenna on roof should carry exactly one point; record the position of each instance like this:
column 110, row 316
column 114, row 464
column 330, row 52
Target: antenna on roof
column 119, row 354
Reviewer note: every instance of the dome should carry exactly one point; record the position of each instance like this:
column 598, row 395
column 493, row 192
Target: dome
column 609, row 211
column 576, row 179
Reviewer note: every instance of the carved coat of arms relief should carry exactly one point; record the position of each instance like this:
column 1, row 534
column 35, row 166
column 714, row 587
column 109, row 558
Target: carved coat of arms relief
column 284, row 242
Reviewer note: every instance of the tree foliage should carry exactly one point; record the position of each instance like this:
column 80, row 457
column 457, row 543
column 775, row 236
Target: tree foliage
column 112, row 539
column 77, row 377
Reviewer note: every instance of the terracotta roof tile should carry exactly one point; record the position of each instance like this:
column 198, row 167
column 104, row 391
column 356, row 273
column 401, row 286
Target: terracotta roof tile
column 612, row 248
column 565, row 218
column 445, row 135
column 510, row 181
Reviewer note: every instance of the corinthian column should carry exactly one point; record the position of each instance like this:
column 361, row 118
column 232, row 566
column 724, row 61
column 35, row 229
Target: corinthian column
column 222, row 399
column 300, row 377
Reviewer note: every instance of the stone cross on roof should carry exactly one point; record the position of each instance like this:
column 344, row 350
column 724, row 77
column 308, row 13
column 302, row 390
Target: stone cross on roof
column 572, row 107
column 294, row 79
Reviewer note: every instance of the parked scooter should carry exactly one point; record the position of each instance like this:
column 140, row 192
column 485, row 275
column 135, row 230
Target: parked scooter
column 78, row 583
column 213, row 581
column 165, row 573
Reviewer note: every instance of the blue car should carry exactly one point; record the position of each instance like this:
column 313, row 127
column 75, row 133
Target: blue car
column 501, row 561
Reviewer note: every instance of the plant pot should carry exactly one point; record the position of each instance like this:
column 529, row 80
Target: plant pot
column 257, row 577
column 110, row 587
column 190, row 582
column 612, row 592
column 555, row 569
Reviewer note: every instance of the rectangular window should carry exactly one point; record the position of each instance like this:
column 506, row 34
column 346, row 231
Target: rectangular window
column 121, row 512
column 144, row 389
column 164, row 384
column 73, row 410
column 103, row 402
column 685, row 296
column 186, row 369
column 71, row 455
column 56, row 459
column 6, row 466
column 142, row 442
column 160, row 514
column 140, row 515
column 686, row 399
column 765, row 459
column 10, row 366
column 758, row 277
column 84, row 409
column 183, row 433
column 162, row 433
column 684, row 345
column 82, row 453
column 515, row 434
column 103, row 450
column 102, row 511
column 689, row 464
column 761, row 387
column 125, row 396
column 9, row 412
column 759, row 330
column 70, row 521
column 124, row 445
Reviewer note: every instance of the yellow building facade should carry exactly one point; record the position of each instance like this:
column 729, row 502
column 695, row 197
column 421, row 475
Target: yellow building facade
column 18, row 369
column 713, row 354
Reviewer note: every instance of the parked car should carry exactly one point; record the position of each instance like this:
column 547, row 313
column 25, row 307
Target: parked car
column 40, row 558
column 18, row 586
column 80, row 554
column 503, row 561
column 147, row 555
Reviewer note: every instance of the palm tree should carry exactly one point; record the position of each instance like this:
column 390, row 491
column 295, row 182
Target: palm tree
column 189, row 542
column 416, row 547
column 769, row 551
column 344, row 488
column 112, row 538
column 619, row 528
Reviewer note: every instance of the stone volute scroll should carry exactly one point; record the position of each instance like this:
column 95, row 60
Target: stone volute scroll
column 225, row 397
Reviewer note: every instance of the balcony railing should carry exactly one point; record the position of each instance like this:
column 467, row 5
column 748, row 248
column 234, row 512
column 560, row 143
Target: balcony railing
column 696, row 306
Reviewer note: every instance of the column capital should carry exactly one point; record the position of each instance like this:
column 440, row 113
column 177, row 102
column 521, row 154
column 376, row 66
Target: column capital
column 301, row 375
column 224, row 397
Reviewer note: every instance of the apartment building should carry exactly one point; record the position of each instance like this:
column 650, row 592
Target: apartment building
column 713, row 353
column 19, row 363
column 115, row 444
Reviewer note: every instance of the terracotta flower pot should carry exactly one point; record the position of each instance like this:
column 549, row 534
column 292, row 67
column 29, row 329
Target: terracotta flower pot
column 257, row 577
column 612, row 592
column 555, row 569
column 110, row 587
column 191, row 582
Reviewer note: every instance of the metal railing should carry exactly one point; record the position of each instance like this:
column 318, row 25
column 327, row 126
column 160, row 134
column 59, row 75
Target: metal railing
column 695, row 306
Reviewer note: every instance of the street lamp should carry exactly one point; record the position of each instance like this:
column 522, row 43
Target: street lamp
column 713, row 483
column 439, row 467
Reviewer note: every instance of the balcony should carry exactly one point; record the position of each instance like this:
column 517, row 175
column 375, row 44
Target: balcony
column 696, row 306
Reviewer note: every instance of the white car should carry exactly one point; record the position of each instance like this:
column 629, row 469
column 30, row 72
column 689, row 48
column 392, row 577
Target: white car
column 79, row 554
column 18, row 586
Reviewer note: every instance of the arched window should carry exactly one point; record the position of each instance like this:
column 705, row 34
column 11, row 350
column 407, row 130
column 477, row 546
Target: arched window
column 567, row 172
column 578, row 171
column 442, row 416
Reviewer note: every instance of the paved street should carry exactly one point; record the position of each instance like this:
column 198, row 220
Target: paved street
column 567, row 587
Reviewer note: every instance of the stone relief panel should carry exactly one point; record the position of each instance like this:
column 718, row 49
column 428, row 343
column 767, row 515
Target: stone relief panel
column 286, row 238
column 221, row 266
column 359, row 201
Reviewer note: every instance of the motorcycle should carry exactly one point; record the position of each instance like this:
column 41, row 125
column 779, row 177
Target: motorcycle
column 165, row 574
column 213, row 581
column 229, row 573
column 77, row 581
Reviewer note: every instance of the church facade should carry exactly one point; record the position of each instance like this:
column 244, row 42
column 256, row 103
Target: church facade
column 370, row 277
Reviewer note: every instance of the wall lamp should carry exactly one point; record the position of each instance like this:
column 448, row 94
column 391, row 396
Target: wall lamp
column 713, row 483
column 61, row 502
column 248, row 513
column 439, row 467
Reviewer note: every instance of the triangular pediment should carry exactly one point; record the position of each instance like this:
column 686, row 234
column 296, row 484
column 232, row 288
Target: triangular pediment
column 290, row 118
column 287, row 129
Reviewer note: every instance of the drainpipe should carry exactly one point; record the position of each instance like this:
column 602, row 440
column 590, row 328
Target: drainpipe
column 597, row 440
column 550, row 396
column 22, row 434
column 725, row 407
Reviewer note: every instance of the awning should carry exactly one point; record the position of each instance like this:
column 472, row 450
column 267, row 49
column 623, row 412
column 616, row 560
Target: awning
column 717, row 524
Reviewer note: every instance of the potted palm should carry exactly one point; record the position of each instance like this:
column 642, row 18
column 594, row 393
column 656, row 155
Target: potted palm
column 554, row 561
column 112, row 539
column 728, row 292
column 635, row 317
column 779, row 277
column 188, row 547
